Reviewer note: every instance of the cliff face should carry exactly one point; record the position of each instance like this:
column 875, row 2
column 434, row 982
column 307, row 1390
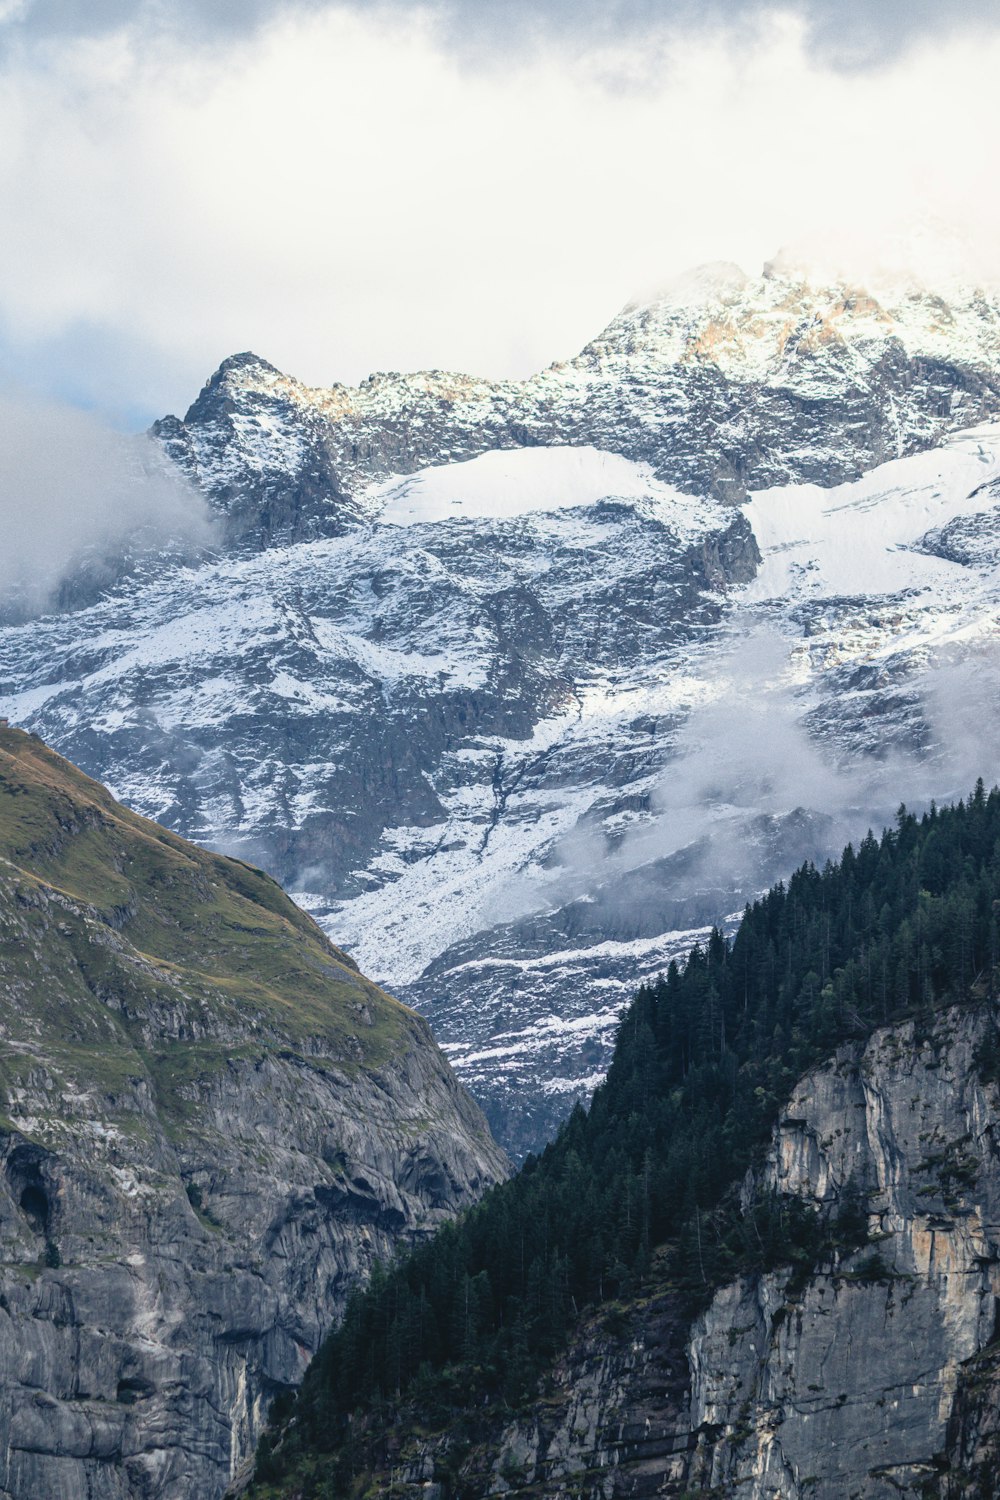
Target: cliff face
column 211, row 1126
column 873, row 1376
column 849, row 1387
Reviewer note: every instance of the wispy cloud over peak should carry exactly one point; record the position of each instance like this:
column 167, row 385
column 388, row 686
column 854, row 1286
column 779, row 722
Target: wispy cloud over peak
column 382, row 186
column 79, row 499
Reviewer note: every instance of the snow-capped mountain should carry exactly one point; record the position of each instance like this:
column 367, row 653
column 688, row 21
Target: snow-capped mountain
column 722, row 383
column 521, row 684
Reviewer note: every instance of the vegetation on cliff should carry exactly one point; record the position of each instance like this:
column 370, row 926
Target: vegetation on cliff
column 127, row 952
column 644, row 1182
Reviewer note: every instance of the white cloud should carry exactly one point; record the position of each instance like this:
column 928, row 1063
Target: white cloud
column 73, row 494
column 342, row 192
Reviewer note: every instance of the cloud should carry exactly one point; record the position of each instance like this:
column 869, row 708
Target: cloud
column 347, row 189
column 78, row 499
column 196, row 20
column 743, row 753
column 851, row 33
column 961, row 691
column 847, row 34
column 750, row 791
column 748, row 752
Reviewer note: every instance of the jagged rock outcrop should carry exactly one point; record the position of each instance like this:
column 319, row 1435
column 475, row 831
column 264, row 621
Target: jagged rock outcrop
column 723, row 383
column 872, row 1376
column 848, row 1386
column 211, row 1126
column 465, row 711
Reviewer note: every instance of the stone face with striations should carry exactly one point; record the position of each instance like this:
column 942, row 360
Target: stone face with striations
column 212, row 1125
column 850, row 1386
column 872, row 1377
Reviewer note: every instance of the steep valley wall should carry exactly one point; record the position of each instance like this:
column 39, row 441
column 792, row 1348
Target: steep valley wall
column 874, row 1377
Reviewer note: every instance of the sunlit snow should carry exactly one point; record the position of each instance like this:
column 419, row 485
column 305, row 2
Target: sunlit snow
column 860, row 538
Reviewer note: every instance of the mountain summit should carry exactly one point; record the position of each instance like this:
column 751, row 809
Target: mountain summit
column 493, row 675
column 723, row 383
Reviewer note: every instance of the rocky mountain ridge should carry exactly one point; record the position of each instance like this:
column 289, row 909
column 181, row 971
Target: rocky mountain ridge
column 722, row 383
column 487, row 714
column 212, row 1125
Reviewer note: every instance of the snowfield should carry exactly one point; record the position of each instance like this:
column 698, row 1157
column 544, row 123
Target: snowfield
column 864, row 538
column 529, row 481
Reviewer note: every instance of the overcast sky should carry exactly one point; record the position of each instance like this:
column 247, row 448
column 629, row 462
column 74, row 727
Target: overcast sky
column 478, row 184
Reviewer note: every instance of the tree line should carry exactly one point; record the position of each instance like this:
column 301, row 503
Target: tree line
column 703, row 1059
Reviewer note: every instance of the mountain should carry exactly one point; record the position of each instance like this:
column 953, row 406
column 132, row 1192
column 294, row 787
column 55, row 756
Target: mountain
column 722, row 383
column 764, row 1263
column 212, row 1125
column 518, row 686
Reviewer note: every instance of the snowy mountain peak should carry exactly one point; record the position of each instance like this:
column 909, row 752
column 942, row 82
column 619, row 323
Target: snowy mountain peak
column 237, row 377
column 757, row 330
column 715, row 281
column 468, row 674
column 722, row 384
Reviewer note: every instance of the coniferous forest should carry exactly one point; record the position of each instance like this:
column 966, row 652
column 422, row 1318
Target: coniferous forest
column 643, row 1183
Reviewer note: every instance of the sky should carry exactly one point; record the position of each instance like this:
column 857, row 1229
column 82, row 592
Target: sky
column 468, row 184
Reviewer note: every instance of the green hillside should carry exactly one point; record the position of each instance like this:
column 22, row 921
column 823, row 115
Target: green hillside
column 126, row 951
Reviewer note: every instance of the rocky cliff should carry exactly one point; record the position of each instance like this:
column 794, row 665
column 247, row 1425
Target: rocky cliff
column 849, row 1383
column 211, row 1126
column 870, row 1374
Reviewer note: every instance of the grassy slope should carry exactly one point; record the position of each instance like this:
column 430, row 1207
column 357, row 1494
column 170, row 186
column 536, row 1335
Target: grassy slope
column 109, row 924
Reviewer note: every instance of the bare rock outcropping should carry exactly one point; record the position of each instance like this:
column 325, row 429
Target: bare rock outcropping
column 850, row 1386
column 875, row 1376
column 212, row 1124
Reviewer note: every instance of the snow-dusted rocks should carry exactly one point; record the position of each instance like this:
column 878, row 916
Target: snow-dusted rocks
column 490, row 676
column 720, row 382
column 410, row 720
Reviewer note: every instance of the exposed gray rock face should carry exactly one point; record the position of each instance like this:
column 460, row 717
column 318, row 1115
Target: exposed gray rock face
column 876, row 1377
column 973, row 1449
column 613, row 1425
column 849, row 1387
column 144, row 1364
column 201, row 1154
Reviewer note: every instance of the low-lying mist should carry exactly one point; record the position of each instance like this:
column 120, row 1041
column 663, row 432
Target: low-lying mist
column 79, row 504
column 754, row 787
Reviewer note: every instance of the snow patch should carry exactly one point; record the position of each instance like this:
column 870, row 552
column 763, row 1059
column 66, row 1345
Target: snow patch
column 524, row 481
column 859, row 538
